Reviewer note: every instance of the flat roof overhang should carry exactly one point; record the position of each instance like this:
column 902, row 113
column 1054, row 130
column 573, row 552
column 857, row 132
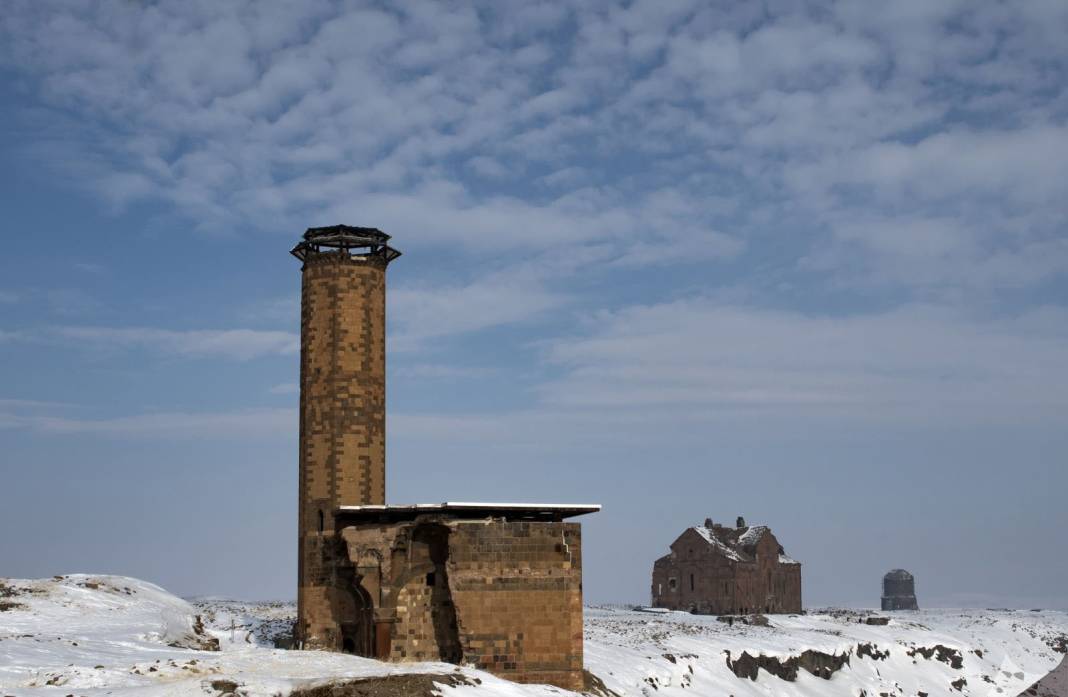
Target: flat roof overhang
column 546, row 512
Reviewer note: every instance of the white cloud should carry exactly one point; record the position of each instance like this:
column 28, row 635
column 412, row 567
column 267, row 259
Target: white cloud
column 424, row 314
column 914, row 362
column 358, row 114
column 239, row 344
column 234, row 424
column 917, row 146
column 31, row 404
column 442, row 371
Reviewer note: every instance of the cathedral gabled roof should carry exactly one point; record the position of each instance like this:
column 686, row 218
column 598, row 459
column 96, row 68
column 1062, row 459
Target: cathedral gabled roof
column 737, row 544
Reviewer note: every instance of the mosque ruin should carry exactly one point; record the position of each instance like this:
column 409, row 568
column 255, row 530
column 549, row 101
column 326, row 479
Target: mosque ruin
column 498, row 586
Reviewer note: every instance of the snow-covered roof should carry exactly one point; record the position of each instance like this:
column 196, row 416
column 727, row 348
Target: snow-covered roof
column 752, row 535
column 470, row 509
column 898, row 575
column 710, row 536
column 738, row 544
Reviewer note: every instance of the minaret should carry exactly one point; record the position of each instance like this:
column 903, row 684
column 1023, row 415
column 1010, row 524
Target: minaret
column 342, row 403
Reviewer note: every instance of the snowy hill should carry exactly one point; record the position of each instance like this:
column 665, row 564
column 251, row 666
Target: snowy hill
column 97, row 635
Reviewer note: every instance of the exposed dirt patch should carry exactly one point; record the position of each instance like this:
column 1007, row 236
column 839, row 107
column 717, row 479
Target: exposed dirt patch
column 418, row 685
column 872, row 651
column 593, row 685
column 199, row 639
column 224, row 686
column 6, row 605
column 942, row 653
column 822, row 665
column 100, row 585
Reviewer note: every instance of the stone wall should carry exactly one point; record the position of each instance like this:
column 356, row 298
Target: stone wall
column 695, row 577
column 505, row 596
column 342, row 415
column 899, row 591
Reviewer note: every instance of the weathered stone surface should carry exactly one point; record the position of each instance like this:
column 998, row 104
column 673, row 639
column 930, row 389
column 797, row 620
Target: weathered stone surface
column 342, row 420
column 503, row 595
column 718, row 570
column 899, row 591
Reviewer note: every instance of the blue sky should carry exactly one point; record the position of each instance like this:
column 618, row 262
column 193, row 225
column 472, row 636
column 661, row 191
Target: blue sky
column 801, row 262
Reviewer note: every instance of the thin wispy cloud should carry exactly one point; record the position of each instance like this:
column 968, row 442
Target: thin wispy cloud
column 245, row 423
column 238, row 344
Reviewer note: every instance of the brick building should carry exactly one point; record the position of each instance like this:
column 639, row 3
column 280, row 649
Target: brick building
column 495, row 585
column 721, row 570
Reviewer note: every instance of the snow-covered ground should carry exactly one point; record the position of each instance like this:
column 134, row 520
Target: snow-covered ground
column 998, row 652
column 107, row 635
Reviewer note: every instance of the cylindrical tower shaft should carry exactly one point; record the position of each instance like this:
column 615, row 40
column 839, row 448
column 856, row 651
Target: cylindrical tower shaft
column 342, row 460
column 342, row 382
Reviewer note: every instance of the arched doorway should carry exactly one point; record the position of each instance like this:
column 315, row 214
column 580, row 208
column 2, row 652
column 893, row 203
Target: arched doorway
column 358, row 633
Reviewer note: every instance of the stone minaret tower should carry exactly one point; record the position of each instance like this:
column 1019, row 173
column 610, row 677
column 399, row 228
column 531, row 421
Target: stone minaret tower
column 342, row 406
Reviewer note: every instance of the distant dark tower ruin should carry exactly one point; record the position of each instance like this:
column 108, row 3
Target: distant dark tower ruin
column 342, row 398
column 899, row 591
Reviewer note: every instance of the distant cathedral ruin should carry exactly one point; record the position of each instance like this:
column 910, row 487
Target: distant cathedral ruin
column 498, row 586
column 716, row 569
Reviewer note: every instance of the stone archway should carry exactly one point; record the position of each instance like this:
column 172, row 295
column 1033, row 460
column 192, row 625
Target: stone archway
column 358, row 631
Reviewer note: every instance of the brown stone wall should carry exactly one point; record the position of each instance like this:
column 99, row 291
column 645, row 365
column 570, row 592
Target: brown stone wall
column 342, row 416
column 518, row 593
column 505, row 596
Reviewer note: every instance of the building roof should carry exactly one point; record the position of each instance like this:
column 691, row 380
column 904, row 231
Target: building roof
column 738, row 544
column 898, row 575
column 366, row 240
column 468, row 510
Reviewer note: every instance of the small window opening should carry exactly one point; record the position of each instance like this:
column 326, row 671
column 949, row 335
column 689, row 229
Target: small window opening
column 430, row 580
column 672, row 583
column 320, row 521
column 691, row 581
